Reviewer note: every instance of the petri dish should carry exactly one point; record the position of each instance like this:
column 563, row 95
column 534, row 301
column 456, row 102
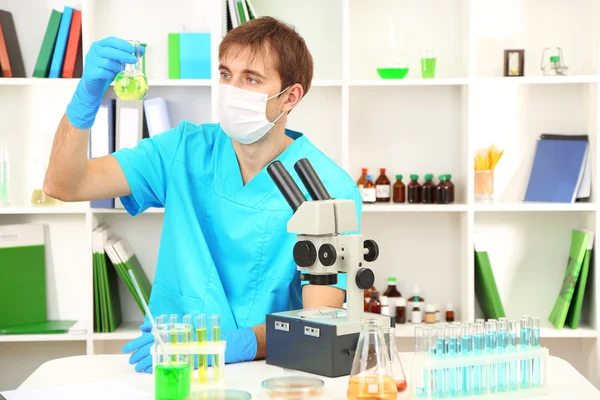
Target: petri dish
column 220, row 394
column 292, row 387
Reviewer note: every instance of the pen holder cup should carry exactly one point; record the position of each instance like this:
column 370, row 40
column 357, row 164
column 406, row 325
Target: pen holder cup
column 484, row 185
column 512, row 374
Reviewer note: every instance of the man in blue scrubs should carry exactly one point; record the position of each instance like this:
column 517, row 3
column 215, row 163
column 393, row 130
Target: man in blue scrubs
column 224, row 248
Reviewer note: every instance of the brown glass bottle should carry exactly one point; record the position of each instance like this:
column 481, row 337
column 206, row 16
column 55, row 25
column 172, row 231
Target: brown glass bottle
column 450, row 188
column 368, row 191
column 429, row 190
column 382, row 187
column 442, row 191
column 415, row 190
column 374, row 304
column 392, row 294
column 363, row 179
column 399, row 191
column 401, row 311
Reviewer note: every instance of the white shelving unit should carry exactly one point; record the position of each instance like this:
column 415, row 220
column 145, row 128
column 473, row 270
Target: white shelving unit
column 406, row 126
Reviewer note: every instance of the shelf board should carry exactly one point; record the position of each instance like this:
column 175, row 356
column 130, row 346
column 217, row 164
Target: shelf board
column 540, row 79
column 405, row 207
column 38, row 81
column 410, row 82
column 128, row 330
column 41, row 210
column 522, row 206
column 179, row 82
column 568, row 333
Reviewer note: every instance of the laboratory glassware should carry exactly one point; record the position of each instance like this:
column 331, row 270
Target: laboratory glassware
column 131, row 83
column 172, row 373
column 524, row 346
column 371, row 376
column 490, row 344
column 535, row 344
column 428, row 64
column 201, row 337
column 553, row 62
column 389, row 335
column 292, row 387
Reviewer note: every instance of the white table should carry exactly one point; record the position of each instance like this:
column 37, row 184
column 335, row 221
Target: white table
column 565, row 381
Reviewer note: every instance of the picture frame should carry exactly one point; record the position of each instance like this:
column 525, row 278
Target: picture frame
column 514, row 62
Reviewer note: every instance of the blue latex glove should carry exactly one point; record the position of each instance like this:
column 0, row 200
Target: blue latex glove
column 241, row 345
column 102, row 64
column 141, row 348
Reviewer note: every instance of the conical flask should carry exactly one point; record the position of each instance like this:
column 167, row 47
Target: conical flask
column 389, row 335
column 371, row 377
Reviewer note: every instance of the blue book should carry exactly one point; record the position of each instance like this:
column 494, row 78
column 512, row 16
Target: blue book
column 557, row 171
column 61, row 43
column 194, row 55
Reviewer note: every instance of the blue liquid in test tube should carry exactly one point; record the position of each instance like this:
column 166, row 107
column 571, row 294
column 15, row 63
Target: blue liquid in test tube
column 491, row 344
column 502, row 348
column 452, row 389
column 478, row 350
column 535, row 343
column 442, row 373
column 432, row 388
column 466, row 350
column 512, row 347
column 525, row 344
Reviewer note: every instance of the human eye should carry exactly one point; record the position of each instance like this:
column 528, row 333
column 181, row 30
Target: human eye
column 252, row 81
column 224, row 75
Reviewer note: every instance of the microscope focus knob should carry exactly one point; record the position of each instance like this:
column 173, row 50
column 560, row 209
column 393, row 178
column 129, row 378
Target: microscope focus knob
column 327, row 254
column 365, row 278
column 305, row 253
column 372, row 250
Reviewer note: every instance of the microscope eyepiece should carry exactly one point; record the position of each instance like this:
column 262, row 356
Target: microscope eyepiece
column 288, row 188
column 311, row 180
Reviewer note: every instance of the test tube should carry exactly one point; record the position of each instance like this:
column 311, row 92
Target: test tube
column 420, row 349
column 512, row 347
column 454, row 373
column 173, row 319
column 525, row 344
column 200, row 339
column 441, row 351
column 187, row 326
column 432, row 341
column 491, row 344
column 480, row 321
column 478, row 350
column 466, row 339
column 502, row 348
column 215, row 328
column 535, row 344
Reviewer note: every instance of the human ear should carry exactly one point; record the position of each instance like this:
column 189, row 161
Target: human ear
column 294, row 95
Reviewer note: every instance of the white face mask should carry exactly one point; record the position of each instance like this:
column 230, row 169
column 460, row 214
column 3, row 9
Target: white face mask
column 243, row 114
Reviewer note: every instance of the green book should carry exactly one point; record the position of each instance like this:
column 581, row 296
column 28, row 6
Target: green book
column 579, row 243
column 108, row 316
column 23, row 275
column 486, row 290
column 45, row 327
column 42, row 65
column 240, row 9
column 173, row 51
column 574, row 313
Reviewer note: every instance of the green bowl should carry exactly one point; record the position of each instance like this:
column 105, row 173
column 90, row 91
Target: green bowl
column 392, row 73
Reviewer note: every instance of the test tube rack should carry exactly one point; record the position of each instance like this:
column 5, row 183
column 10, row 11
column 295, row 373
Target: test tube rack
column 216, row 373
column 431, row 375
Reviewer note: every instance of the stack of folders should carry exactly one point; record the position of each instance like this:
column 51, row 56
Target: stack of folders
column 567, row 309
column 113, row 259
column 237, row 12
column 561, row 171
column 122, row 125
column 486, row 290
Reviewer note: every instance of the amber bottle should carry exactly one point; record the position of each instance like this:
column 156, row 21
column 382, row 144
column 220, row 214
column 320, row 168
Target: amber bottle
column 450, row 188
column 429, row 190
column 374, row 304
column 415, row 190
column 399, row 190
column 368, row 191
column 442, row 191
column 382, row 187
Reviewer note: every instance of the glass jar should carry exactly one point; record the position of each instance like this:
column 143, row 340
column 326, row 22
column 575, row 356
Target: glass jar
column 430, row 314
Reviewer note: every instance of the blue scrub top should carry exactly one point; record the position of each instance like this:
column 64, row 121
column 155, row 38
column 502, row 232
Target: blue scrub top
column 224, row 248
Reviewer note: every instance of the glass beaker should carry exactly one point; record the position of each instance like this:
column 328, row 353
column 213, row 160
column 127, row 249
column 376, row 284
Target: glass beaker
column 131, row 83
column 172, row 370
column 428, row 64
column 484, row 185
column 389, row 335
column 4, row 174
column 371, row 377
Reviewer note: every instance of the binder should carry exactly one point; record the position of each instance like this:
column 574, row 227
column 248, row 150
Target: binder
column 194, row 55
column 129, row 128
column 44, row 327
column 60, row 46
column 157, row 116
column 486, row 290
column 577, row 252
column 574, row 312
column 558, row 170
column 173, row 51
column 11, row 42
column 102, row 141
column 73, row 49
column 42, row 66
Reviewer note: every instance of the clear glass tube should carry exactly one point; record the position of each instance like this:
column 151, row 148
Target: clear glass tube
column 215, row 329
column 535, row 343
column 173, row 319
column 512, row 347
column 389, row 335
column 502, row 348
column 491, row 344
column 478, row 350
column 466, row 339
column 452, row 382
column 201, row 336
column 442, row 373
column 432, row 388
column 188, row 324
column 131, row 83
column 420, row 349
column 525, row 345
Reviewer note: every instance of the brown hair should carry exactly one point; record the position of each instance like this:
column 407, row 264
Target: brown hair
column 293, row 61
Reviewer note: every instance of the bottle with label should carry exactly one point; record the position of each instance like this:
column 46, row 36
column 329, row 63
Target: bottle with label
column 437, row 313
column 399, row 190
column 392, row 294
column 416, row 317
column 450, row 188
column 374, row 304
column 368, row 191
column 415, row 190
column 362, row 180
column 430, row 314
column 401, row 310
column 416, row 300
column 382, row 187
column 429, row 190
column 442, row 191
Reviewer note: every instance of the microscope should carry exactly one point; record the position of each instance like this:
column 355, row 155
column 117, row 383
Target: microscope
column 321, row 341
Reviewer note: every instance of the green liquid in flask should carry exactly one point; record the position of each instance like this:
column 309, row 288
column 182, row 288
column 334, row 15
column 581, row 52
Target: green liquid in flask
column 172, row 382
column 130, row 86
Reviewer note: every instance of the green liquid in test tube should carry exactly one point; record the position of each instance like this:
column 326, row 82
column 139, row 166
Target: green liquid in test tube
column 201, row 334
column 215, row 326
column 187, row 326
column 173, row 318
